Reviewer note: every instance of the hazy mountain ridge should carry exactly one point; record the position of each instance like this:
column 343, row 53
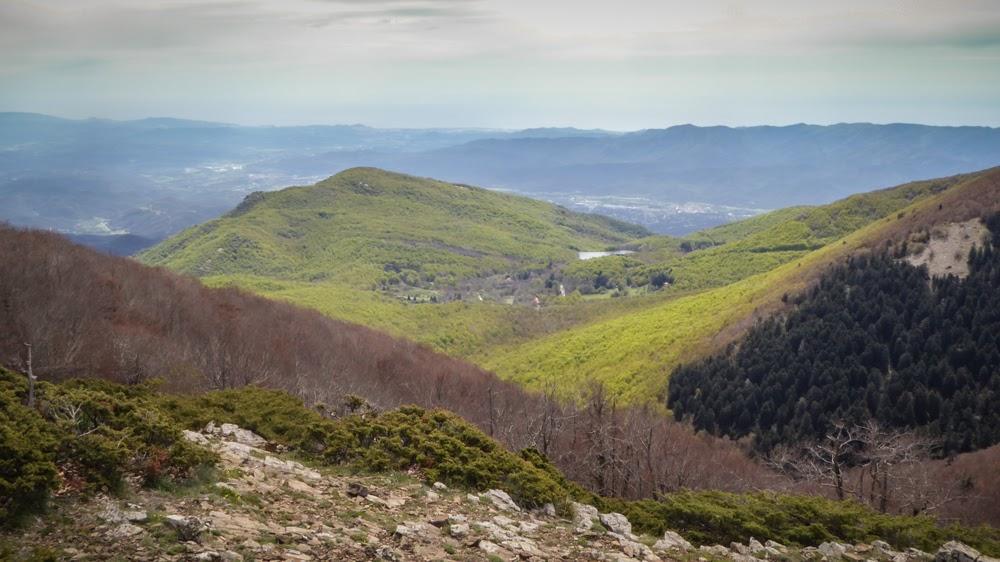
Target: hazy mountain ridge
column 154, row 177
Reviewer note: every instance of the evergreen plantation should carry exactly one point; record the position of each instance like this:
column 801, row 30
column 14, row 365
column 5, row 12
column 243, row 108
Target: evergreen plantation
column 875, row 338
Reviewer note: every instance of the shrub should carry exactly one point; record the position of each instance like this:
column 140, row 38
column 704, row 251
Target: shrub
column 27, row 448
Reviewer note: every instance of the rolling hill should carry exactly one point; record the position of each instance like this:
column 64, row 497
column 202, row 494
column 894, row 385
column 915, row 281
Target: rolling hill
column 366, row 228
column 633, row 354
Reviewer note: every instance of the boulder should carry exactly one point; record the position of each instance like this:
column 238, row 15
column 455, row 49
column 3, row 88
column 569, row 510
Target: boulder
column 236, row 433
column 832, row 550
column 501, row 500
column 187, row 528
column 616, row 523
column 583, row 516
column 954, row 551
column 672, row 541
column 459, row 530
column 440, row 486
column 195, row 437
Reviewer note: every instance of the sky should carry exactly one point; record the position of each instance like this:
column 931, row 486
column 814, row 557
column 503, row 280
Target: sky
column 613, row 64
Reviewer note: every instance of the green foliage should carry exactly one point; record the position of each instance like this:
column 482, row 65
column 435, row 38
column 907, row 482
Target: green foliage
column 712, row 517
column 440, row 444
column 95, row 431
column 27, row 451
column 367, row 227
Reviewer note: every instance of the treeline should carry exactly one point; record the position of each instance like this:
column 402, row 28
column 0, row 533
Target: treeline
column 874, row 340
column 87, row 314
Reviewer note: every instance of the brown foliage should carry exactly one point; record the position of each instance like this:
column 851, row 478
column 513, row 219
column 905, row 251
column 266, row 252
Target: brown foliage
column 89, row 314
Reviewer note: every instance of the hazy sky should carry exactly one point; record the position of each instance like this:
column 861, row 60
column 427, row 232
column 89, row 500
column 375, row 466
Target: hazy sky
column 618, row 64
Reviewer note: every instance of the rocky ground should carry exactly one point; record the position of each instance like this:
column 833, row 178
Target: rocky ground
column 264, row 506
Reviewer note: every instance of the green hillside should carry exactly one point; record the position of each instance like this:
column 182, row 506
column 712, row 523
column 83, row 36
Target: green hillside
column 366, row 227
column 633, row 354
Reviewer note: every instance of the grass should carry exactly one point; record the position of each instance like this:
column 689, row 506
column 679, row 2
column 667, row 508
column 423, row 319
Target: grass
column 633, row 354
column 366, row 227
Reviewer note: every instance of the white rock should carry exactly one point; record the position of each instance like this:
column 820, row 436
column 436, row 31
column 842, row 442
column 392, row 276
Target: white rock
column 616, row 523
column 489, row 547
column 472, row 498
column 583, row 516
column 459, row 530
column 236, row 433
column 832, row 550
column 954, row 551
column 124, row 530
column 501, row 500
column 432, row 496
column 672, row 541
column 440, row 486
column 195, row 437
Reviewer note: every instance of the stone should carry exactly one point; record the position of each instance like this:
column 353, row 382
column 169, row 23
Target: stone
column 456, row 519
column 440, row 486
column 459, row 530
column 882, row 545
column 472, row 498
column 355, row 490
column 716, row 550
column 372, row 498
column 755, row 546
column 832, row 550
column 489, row 547
column 124, row 530
column 583, row 516
column 954, row 551
column 230, row 556
column 235, row 433
column 635, row 549
column 187, row 528
column 501, row 500
column 432, row 496
column 300, row 486
column 616, row 523
column 235, row 523
column 386, row 552
column 195, row 437
column 393, row 502
column 548, row 510
column 411, row 530
column 207, row 556
column 739, row 548
column 672, row 541
column 776, row 545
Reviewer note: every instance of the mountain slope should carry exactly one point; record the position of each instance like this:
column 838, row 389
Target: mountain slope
column 634, row 354
column 365, row 227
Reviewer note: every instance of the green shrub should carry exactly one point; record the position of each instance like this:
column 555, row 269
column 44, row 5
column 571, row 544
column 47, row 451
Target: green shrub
column 27, row 449
column 711, row 517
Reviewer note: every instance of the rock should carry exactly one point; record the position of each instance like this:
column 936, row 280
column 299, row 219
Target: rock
column 440, row 486
column 501, row 500
column 882, row 545
column 489, row 547
column 411, row 530
column 301, row 487
column 195, row 437
column 954, row 551
column 716, row 550
column 291, row 467
column 372, row 498
column 548, row 510
column 739, row 548
column 432, row 496
column 755, row 546
column 917, row 554
column 635, row 549
column 505, row 522
column 124, row 530
column 459, row 530
column 583, row 516
column 616, row 523
column 388, row 553
column 456, row 519
column 230, row 556
column 472, row 498
column 235, row 523
column 672, row 541
column 355, row 490
column 187, row 528
column 207, row 556
column 776, row 545
column 394, row 502
column 240, row 435
column 832, row 550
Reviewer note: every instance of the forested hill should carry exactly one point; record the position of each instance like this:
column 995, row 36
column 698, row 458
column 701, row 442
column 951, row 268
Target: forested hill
column 874, row 339
column 368, row 226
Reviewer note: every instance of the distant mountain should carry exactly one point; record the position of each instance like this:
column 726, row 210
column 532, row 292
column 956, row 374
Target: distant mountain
column 756, row 167
column 366, row 226
column 154, row 177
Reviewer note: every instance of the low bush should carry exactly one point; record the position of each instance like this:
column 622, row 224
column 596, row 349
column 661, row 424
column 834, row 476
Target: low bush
column 95, row 432
column 710, row 517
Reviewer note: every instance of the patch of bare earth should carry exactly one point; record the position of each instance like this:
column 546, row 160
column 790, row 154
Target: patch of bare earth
column 946, row 252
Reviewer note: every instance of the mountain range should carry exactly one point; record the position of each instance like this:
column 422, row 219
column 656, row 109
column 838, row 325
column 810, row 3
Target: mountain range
column 152, row 178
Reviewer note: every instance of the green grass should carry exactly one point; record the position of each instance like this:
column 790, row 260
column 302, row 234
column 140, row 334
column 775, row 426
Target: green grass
column 632, row 354
column 366, row 227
